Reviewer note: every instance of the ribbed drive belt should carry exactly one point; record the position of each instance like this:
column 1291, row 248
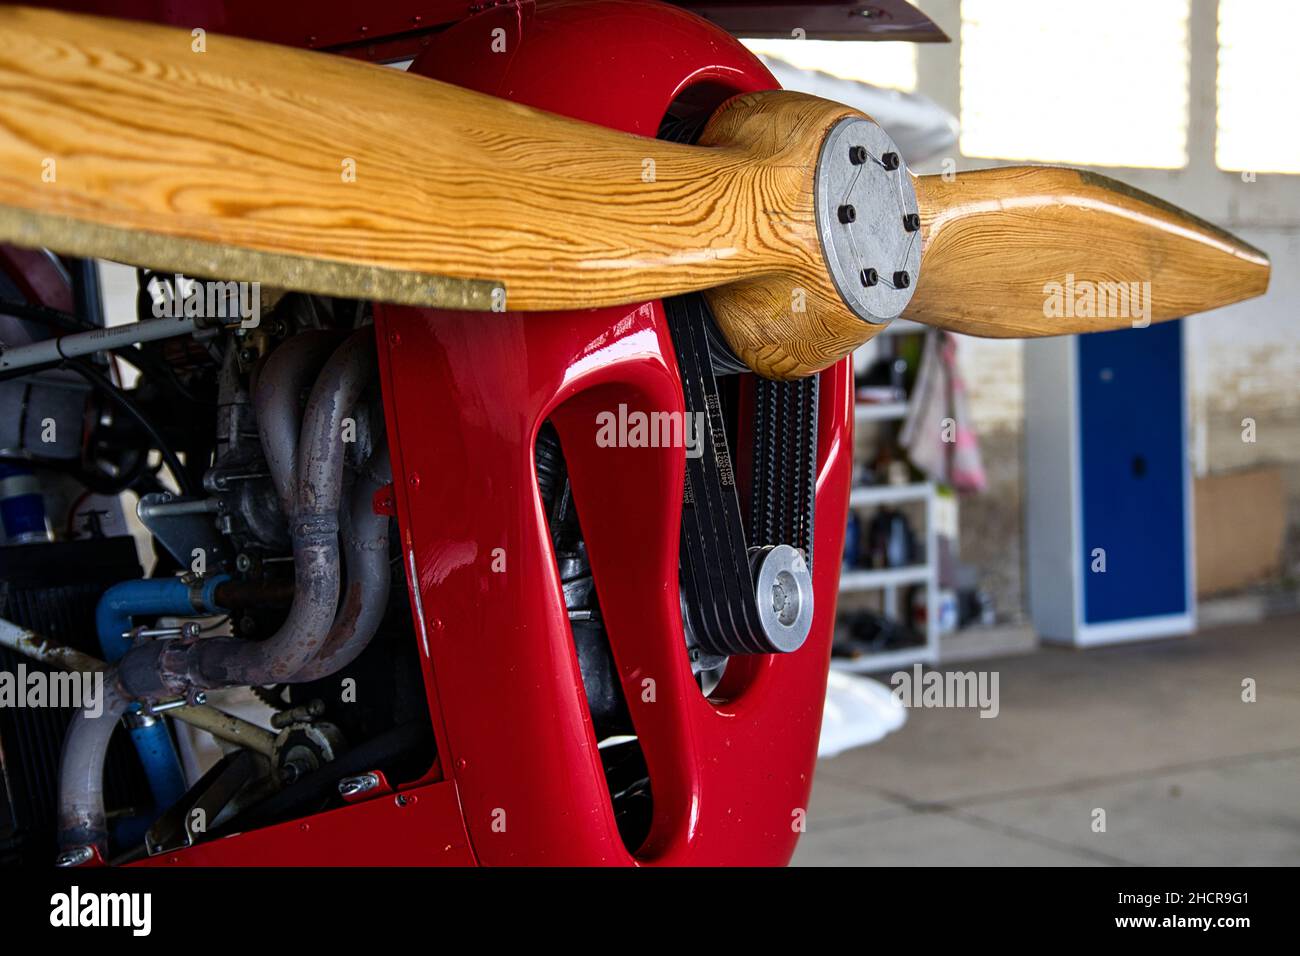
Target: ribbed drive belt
column 717, row 578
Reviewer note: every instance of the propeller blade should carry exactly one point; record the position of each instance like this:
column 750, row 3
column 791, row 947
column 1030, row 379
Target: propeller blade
column 313, row 172
column 1045, row 250
column 241, row 160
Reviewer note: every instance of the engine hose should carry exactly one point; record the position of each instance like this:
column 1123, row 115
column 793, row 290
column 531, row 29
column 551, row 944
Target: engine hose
column 113, row 617
column 126, row 404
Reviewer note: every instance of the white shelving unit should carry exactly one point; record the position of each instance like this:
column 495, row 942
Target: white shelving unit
column 869, row 495
column 889, row 580
column 869, row 580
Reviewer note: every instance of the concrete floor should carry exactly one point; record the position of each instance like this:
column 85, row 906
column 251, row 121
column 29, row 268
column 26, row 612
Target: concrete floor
column 1156, row 734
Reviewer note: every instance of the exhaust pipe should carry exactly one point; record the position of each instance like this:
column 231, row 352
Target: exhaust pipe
column 176, row 668
column 365, row 537
column 318, row 637
column 82, row 823
column 283, row 377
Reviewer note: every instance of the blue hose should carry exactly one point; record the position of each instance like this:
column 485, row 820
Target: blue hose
column 122, row 602
column 153, row 742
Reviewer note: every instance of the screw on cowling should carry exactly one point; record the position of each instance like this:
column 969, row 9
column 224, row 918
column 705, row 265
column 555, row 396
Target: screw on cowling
column 911, row 222
column 890, row 160
column 902, row 280
column 847, row 214
column 77, row 856
column 869, row 277
column 857, row 155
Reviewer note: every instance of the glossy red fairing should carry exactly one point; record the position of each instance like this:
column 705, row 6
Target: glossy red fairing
column 400, row 29
column 465, row 393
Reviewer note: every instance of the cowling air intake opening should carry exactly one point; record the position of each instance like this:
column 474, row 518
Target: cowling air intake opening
column 624, row 763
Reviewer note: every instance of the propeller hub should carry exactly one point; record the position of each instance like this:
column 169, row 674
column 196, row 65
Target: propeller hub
column 860, row 169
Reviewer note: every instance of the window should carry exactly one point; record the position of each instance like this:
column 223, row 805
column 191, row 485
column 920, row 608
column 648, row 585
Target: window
column 886, row 64
column 1259, row 80
column 1089, row 82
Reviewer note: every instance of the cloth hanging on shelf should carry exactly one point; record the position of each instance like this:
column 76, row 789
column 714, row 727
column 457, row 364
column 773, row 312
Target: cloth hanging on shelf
column 939, row 434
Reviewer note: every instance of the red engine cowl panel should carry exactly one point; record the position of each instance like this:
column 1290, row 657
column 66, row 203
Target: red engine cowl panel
column 465, row 394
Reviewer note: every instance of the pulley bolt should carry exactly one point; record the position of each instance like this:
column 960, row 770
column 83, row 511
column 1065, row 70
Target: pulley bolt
column 902, row 280
column 869, row 277
column 890, row 160
column 847, row 214
column 778, row 599
column 911, row 222
column 857, row 155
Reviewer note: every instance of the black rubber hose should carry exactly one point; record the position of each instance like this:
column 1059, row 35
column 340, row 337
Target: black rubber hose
column 119, row 398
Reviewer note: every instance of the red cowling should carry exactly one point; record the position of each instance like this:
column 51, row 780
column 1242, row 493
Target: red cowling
column 465, row 394
column 400, row 29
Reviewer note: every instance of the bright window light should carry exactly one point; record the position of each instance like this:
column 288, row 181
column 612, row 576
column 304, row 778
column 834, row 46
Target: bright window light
column 1088, row 82
column 886, row 64
column 1259, row 80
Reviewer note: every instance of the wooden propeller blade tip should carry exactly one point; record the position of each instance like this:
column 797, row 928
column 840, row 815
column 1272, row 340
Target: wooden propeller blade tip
column 1044, row 250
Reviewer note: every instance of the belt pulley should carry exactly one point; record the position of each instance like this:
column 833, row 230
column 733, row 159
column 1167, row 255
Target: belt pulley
column 744, row 595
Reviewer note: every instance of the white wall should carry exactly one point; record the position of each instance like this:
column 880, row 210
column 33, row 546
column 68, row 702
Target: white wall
column 1244, row 359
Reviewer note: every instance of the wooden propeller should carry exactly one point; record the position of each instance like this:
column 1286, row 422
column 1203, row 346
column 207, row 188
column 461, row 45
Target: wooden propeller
column 253, row 162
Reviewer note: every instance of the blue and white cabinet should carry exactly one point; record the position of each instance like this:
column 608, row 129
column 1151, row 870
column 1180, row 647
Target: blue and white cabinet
column 1108, row 486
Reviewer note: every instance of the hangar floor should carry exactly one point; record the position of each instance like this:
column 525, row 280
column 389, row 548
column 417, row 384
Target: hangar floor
column 1155, row 734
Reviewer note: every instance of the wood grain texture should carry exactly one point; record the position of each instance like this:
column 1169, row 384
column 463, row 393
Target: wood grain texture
column 1041, row 250
column 232, row 163
column 789, row 321
column 239, row 152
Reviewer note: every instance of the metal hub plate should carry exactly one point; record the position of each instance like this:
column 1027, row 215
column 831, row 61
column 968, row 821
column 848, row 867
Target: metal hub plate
column 877, row 236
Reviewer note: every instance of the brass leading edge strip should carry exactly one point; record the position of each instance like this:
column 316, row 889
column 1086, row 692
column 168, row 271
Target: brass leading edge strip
column 212, row 260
